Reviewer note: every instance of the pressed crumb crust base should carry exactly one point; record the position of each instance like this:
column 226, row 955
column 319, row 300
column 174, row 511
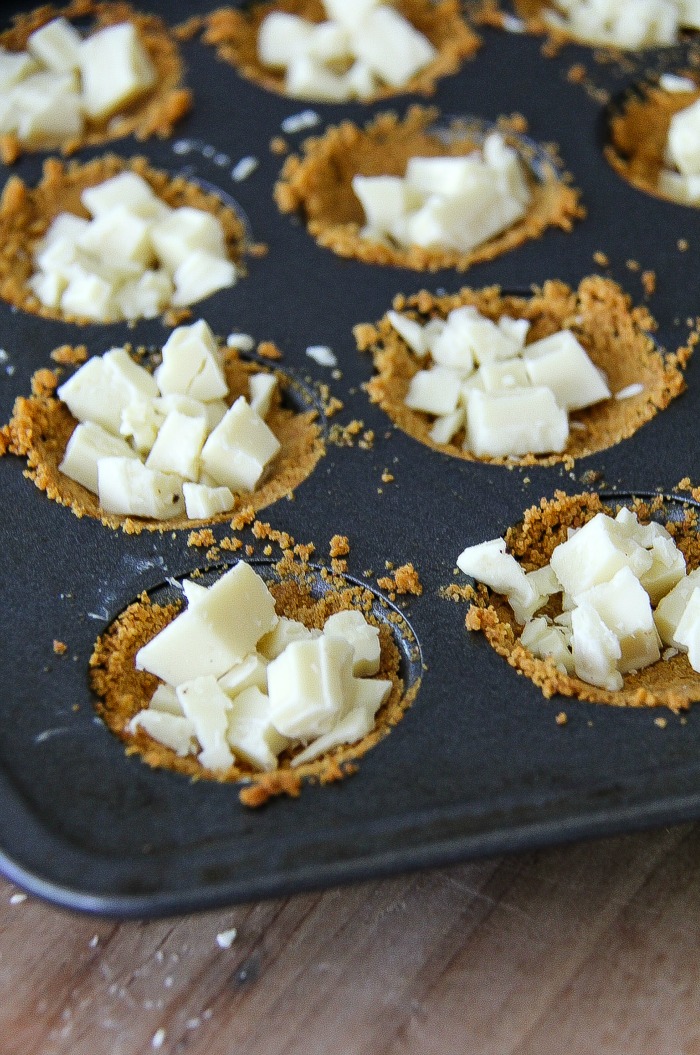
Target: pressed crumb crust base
column 123, row 691
column 638, row 133
column 27, row 212
column 41, row 426
column 234, row 34
column 155, row 112
column 614, row 334
column 318, row 186
column 668, row 683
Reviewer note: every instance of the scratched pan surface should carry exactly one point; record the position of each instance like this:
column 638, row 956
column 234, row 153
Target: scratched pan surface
column 478, row 765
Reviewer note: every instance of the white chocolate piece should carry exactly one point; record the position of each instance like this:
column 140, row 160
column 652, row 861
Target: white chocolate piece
column 203, row 502
column 310, row 686
column 126, row 487
column 688, row 630
column 101, row 389
column 185, row 231
column 329, row 42
column 515, row 422
column 667, row 569
column 282, row 38
column 251, row 733
column 208, row 708
column 191, row 365
column 91, row 297
column 409, row 330
column 145, row 297
column 595, row 648
column 390, row 46
column 127, row 190
column 362, row 636
column 548, row 641
column 434, row 391
column 193, row 591
column 348, row 730
column 308, row 78
column 200, row 275
column 349, row 13
column 165, row 699
column 14, row 67
column 595, row 553
column 385, row 200
column 624, row 606
column 115, row 69
column 48, row 108
column 562, row 364
column 489, row 563
column 87, row 445
column 360, row 81
column 446, row 427
column 56, row 45
column 286, row 630
column 219, row 631
column 262, row 388
column 172, row 730
column 670, row 608
column 544, row 580
column 449, row 348
column 486, row 341
column 178, row 446
column 251, row 672
column 504, row 376
column 240, row 447
column 684, row 140
column 119, row 235
column 140, row 421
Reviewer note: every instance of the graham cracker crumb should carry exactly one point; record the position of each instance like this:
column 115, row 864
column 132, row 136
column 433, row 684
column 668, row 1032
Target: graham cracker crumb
column 269, row 350
column 601, row 259
column 279, row 145
column 60, row 647
column 649, row 282
column 683, row 245
column 67, row 355
column 661, row 722
column 339, row 546
column 562, row 718
column 202, row 538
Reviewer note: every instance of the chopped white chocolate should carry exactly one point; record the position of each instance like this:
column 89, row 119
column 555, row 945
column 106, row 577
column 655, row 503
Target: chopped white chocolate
column 56, row 45
column 219, row 631
column 309, row 686
column 282, row 37
column 351, row 727
column 172, row 730
column 262, row 388
column 250, row 673
column 688, row 630
column 282, row 634
column 352, row 627
column 251, row 733
column 489, row 563
column 545, row 639
column 239, row 448
column 191, row 364
column 628, row 24
column 670, row 608
column 89, row 443
column 115, row 69
column 561, row 363
column 595, row 648
column 411, row 331
column 165, row 699
column 623, row 605
column 595, row 553
column 515, row 422
column 202, row 502
column 390, row 46
column 128, row 190
column 178, row 446
column 208, row 707
column 435, row 391
column 126, row 487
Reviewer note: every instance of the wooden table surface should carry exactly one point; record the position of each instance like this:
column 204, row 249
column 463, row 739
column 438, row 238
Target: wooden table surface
column 584, row 950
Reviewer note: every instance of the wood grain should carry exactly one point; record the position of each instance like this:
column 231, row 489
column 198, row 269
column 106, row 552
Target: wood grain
column 585, row 950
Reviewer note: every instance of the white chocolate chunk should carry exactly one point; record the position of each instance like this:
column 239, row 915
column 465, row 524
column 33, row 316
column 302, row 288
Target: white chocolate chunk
column 186, row 231
column 349, row 13
column 688, row 630
column 140, row 421
column 126, row 487
column 89, row 296
column 486, row 341
column 208, row 708
column 595, row 648
column 240, row 447
column 104, row 386
column 191, row 365
column 119, row 234
column 409, row 330
column 200, row 275
column 503, row 376
column 286, row 630
column 667, row 569
column 515, row 422
column 561, row 363
column 349, row 729
column 361, row 81
column 172, row 730
column 546, row 640
column 515, row 329
column 165, row 699
column 14, row 67
column 203, row 502
column 390, row 46
column 115, row 68
column 251, row 672
column 178, row 446
column 309, row 686
column 219, row 631
column 489, row 563
column 362, row 636
column 193, row 591
column 624, row 606
column 262, row 388
column 283, row 37
column 670, row 608
column 595, row 553
column 446, row 427
column 544, row 580
column 127, row 190
column 329, row 42
column 684, row 140
column 56, row 45
column 251, row 733
column 434, row 391
column 87, row 445
column 308, row 78
column 385, row 200
column 48, row 108
column 147, row 296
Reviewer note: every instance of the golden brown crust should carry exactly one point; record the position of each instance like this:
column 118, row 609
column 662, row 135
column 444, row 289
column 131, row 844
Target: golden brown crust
column 153, row 113
column 42, row 425
column 615, row 335
column 668, row 683
column 638, row 133
column 27, row 212
column 234, row 34
column 123, row 691
column 318, row 186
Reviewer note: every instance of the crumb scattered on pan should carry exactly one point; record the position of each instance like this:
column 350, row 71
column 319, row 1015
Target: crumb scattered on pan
column 614, row 334
column 318, row 186
column 234, row 34
column 672, row 683
column 153, row 114
column 403, row 580
column 562, row 718
column 41, row 426
column 26, row 214
column 60, row 647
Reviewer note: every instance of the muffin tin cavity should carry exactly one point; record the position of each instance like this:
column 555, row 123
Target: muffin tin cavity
column 615, row 335
column 42, row 425
column 670, row 682
column 301, row 591
column 317, row 185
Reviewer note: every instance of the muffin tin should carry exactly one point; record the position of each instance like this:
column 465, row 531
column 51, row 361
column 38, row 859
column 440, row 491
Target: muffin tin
column 478, row 765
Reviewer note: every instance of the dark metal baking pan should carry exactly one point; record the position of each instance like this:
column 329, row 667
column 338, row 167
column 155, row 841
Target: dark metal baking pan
column 478, row 765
